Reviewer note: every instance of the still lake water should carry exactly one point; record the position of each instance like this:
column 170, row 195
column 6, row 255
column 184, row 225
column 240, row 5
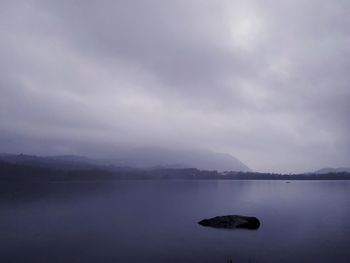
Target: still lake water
column 156, row 221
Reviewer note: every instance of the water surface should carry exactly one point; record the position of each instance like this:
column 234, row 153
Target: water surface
column 156, row 221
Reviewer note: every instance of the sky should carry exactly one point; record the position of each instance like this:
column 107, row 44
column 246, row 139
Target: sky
column 265, row 81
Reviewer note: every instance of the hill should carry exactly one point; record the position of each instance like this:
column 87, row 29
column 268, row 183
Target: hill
column 144, row 158
column 333, row 170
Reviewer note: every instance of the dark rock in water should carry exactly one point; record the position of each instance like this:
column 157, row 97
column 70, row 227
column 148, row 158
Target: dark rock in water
column 231, row 221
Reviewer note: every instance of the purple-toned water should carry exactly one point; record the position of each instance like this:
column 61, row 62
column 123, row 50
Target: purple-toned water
column 156, row 221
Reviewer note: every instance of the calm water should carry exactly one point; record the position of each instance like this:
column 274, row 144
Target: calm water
column 156, row 221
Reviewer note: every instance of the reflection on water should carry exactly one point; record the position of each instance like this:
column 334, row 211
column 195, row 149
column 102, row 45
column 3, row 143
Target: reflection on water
column 156, row 221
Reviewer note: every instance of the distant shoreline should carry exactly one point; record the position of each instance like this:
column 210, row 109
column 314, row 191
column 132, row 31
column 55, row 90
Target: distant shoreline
column 25, row 172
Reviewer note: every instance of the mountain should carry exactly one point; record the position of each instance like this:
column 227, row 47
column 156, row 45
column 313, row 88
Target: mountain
column 137, row 158
column 333, row 170
column 29, row 168
column 170, row 158
column 56, row 162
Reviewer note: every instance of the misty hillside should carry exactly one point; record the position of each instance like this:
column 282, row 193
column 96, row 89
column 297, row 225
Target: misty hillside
column 137, row 158
column 70, row 163
column 157, row 157
column 333, row 170
column 43, row 171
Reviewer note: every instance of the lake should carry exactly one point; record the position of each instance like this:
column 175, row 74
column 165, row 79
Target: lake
column 156, row 221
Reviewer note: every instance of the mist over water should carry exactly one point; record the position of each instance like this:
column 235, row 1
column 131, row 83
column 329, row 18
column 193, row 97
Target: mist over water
column 156, row 221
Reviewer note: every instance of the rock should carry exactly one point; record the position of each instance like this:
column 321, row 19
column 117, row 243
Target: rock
column 231, row 221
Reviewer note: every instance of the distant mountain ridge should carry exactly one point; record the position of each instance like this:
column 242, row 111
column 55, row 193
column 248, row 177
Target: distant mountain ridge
column 42, row 170
column 179, row 158
column 145, row 158
column 53, row 162
column 333, row 170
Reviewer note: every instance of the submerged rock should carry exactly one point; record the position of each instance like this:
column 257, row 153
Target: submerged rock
column 231, row 221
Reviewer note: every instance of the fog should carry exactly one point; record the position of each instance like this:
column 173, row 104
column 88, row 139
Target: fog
column 265, row 81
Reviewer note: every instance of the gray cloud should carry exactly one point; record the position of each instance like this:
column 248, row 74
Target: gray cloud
column 265, row 81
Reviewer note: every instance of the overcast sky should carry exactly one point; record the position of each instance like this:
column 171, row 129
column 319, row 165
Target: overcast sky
column 266, row 81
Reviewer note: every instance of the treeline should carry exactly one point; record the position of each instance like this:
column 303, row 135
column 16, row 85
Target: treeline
column 287, row 177
column 21, row 172
column 24, row 172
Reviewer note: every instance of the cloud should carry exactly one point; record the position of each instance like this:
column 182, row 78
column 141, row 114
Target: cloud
column 266, row 82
